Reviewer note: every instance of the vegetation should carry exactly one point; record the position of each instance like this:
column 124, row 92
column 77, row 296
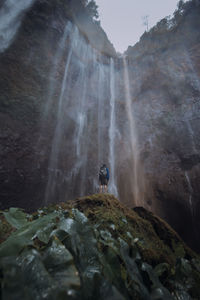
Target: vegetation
column 91, row 7
column 94, row 248
column 168, row 23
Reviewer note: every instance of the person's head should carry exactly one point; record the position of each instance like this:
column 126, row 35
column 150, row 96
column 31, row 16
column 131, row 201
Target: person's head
column 104, row 165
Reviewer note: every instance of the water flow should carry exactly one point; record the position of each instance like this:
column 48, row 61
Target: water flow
column 57, row 59
column 190, row 192
column 101, row 120
column 52, row 80
column 193, row 75
column 133, row 137
column 112, row 158
column 192, row 135
column 89, row 120
column 81, row 117
column 50, row 189
column 11, row 14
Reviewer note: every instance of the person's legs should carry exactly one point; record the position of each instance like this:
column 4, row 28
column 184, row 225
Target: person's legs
column 101, row 189
column 105, row 188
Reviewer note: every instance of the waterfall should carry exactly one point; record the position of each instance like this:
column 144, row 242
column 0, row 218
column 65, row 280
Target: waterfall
column 52, row 82
column 133, row 137
column 101, row 116
column 53, row 163
column 190, row 189
column 112, row 130
column 85, row 127
column 81, row 119
column 11, row 14
column 81, row 144
column 54, row 69
column 82, row 86
column 191, row 135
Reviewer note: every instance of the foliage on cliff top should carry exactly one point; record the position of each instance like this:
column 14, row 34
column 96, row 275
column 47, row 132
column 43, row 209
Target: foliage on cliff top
column 94, row 247
column 184, row 24
column 169, row 24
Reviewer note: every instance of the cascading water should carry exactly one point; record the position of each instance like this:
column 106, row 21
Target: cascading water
column 58, row 131
column 133, row 137
column 85, row 121
column 81, row 142
column 112, row 129
column 191, row 135
column 52, row 83
column 101, row 115
column 190, row 189
column 58, row 56
column 11, row 14
column 75, row 119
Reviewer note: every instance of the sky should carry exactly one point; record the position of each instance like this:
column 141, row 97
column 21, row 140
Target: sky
column 122, row 19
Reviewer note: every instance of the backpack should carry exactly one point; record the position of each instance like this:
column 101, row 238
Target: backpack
column 103, row 172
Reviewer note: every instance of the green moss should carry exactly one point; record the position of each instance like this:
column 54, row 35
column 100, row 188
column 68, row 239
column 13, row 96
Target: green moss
column 132, row 250
column 154, row 246
column 5, row 229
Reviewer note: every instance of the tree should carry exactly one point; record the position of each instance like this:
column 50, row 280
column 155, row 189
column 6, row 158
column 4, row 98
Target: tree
column 92, row 9
column 180, row 5
column 146, row 22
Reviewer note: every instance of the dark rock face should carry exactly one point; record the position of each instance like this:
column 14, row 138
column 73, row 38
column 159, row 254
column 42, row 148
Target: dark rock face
column 164, row 69
column 164, row 75
column 24, row 83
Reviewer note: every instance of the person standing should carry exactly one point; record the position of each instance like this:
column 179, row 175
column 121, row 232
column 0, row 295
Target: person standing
column 103, row 178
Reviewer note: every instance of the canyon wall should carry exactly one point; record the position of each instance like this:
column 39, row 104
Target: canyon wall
column 164, row 69
column 68, row 103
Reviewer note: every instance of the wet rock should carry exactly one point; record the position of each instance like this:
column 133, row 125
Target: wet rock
column 94, row 247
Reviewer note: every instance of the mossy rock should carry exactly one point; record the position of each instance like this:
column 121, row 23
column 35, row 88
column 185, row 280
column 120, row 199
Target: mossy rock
column 94, row 248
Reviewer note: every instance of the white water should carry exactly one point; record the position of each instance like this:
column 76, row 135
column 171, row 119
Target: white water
column 191, row 134
column 190, row 192
column 11, row 14
column 52, row 80
column 112, row 158
column 81, row 143
column 53, row 163
column 54, row 69
column 101, row 115
column 133, row 137
column 81, row 112
column 86, row 133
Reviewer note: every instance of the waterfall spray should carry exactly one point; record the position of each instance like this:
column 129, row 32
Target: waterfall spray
column 53, row 71
column 101, row 120
column 190, row 189
column 133, row 137
column 11, row 14
column 81, row 113
column 112, row 129
column 58, row 131
column 52, row 82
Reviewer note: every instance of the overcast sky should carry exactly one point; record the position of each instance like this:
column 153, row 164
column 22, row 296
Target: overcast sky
column 122, row 19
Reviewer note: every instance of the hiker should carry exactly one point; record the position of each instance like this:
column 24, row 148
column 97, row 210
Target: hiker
column 103, row 178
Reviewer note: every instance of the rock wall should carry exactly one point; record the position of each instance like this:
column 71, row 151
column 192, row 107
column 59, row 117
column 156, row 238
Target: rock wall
column 163, row 71
column 26, row 71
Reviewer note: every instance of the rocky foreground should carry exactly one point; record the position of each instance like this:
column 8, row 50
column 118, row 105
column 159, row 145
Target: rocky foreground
column 94, row 248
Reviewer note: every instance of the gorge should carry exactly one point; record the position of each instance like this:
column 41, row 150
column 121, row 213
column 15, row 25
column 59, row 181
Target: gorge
column 69, row 103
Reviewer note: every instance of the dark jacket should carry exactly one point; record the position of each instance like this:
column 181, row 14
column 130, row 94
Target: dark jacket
column 108, row 176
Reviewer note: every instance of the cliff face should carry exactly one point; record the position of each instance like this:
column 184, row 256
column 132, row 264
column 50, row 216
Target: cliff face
column 68, row 104
column 164, row 71
column 32, row 72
